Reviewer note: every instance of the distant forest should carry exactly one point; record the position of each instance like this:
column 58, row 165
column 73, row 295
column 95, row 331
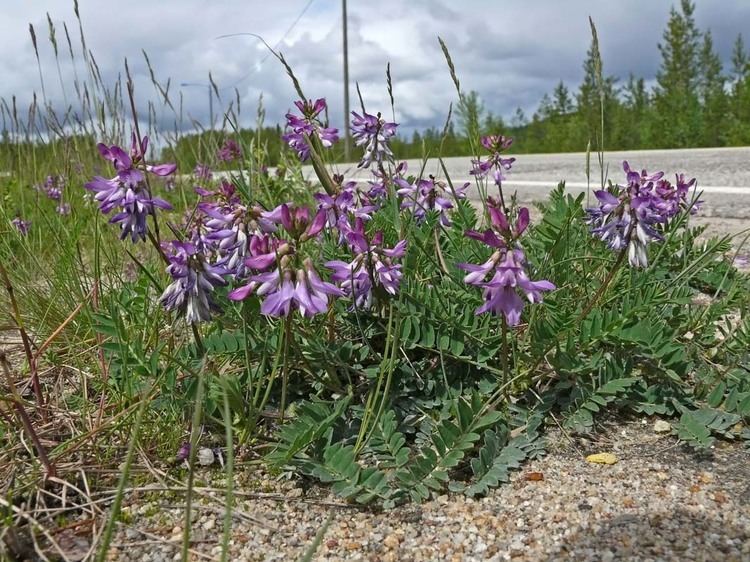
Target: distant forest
column 696, row 102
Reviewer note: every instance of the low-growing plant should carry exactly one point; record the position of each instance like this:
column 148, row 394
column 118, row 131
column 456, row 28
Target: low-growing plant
column 388, row 337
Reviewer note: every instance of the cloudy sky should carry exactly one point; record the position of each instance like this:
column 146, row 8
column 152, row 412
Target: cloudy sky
column 510, row 51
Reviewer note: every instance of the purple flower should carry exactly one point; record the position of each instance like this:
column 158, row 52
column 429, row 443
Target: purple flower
column 53, row 187
column 633, row 216
column 127, row 190
column 506, row 267
column 193, row 281
column 311, row 292
column 63, row 209
column 478, row 273
column 372, row 269
column 202, row 172
column 296, row 220
column 230, row 230
column 495, row 163
column 501, row 292
column 284, row 290
column 136, row 205
column 430, row 195
column 21, row 225
column 308, row 125
column 346, row 204
column 280, row 297
column 183, row 452
column 229, row 151
column 509, row 276
column 374, row 133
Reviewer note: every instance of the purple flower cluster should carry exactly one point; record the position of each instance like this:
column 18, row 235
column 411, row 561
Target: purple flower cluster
column 202, row 172
column 193, row 281
column 307, row 127
column 372, row 269
column 286, row 291
column 374, row 133
column 429, row 195
column 279, row 278
column 494, row 163
column 53, row 187
column 127, row 191
column 347, row 202
column 229, row 229
column 21, row 225
column 632, row 216
column 506, row 267
column 381, row 178
column 229, row 151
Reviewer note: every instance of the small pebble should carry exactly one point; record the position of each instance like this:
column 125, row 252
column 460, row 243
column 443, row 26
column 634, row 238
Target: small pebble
column 206, row 456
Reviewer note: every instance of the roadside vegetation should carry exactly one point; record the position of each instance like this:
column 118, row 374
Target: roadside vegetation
column 390, row 339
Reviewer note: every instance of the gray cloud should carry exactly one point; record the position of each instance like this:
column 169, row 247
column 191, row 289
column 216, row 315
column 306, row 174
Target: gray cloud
column 511, row 52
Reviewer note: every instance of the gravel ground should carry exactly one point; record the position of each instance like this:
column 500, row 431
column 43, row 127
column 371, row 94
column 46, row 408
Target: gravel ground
column 660, row 501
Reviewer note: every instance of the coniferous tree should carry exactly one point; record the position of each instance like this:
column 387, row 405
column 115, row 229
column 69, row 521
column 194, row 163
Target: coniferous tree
column 635, row 116
column 493, row 125
column 562, row 103
column 740, row 63
column 711, row 94
column 738, row 130
column 537, row 140
column 470, row 112
column 519, row 119
column 676, row 98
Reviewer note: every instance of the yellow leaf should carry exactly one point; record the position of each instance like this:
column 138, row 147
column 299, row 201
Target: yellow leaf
column 602, row 458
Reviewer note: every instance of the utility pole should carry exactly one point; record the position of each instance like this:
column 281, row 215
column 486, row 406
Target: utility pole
column 347, row 137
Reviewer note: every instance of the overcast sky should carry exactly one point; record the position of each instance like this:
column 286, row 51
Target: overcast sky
column 510, row 51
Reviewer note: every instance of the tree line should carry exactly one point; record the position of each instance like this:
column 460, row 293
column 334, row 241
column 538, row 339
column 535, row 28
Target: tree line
column 694, row 102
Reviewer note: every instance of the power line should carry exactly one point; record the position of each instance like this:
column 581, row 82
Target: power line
column 275, row 47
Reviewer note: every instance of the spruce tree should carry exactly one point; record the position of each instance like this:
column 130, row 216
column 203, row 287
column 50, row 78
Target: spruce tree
column 562, row 103
column 519, row 119
column 740, row 65
column 635, row 115
column 470, row 112
column 739, row 103
column 676, row 97
column 711, row 94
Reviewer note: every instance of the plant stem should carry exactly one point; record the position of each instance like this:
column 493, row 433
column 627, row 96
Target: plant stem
column 504, row 330
column 372, row 398
column 285, row 368
column 24, row 336
column 603, row 287
column 230, row 478
column 194, row 437
column 25, row 419
column 591, row 304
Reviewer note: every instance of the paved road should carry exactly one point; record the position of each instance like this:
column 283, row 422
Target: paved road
column 723, row 174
